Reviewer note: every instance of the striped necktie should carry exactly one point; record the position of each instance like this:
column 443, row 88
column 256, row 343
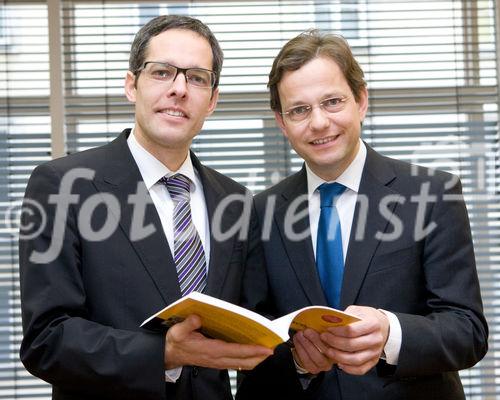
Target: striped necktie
column 189, row 255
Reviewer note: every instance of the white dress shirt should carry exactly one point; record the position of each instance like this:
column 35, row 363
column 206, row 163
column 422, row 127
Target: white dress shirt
column 345, row 205
column 152, row 170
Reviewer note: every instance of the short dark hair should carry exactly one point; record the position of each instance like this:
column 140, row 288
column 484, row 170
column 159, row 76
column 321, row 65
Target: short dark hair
column 165, row 22
column 305, row 47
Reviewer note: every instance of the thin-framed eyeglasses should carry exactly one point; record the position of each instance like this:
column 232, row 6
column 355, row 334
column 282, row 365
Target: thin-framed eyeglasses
column 302, row 112
column 165, row 72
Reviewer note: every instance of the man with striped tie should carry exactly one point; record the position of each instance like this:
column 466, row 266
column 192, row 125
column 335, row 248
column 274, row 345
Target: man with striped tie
column 122, row 230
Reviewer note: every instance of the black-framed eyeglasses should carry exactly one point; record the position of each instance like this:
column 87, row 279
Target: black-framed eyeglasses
column 165, row 72
column 303, row 111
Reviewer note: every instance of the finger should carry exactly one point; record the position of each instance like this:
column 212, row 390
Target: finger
column 240, row 364
column 252, row 351
column 359, row 369
column 315, row 338
column 302, row 356
column 217, row 354
column 357, row 328
column 371, row 341
column 356, row 370
column 372, row 319
column 192, row 322
column 224, row 355
column 236, row 350
column 184, row 328
column 356, row 359
column 338, row 337
column 187, row 329
column 311, row 355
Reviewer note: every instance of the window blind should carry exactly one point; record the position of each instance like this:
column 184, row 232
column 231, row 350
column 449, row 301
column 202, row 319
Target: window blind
column 24, row 143
column 431, row 68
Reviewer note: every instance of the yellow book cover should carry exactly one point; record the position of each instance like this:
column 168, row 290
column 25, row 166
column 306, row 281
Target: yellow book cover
column 231, row 323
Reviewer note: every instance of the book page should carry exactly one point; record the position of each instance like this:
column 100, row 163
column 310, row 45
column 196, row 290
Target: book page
column 318, row 318
column 221, row 320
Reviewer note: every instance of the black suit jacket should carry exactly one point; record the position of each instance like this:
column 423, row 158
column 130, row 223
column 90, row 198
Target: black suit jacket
column 82, row 310
column 428, row 280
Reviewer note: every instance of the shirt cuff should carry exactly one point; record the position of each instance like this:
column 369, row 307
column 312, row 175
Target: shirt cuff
column 393, row 345
column 304, row 376
column 300, row 370
column 171, row 375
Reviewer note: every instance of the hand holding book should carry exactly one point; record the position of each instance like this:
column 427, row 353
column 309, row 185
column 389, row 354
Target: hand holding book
column 185, row 345
column 231, row 323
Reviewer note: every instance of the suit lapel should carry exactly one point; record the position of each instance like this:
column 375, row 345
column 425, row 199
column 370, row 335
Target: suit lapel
column 377, row 174
column 220, row 251
column 121, row 177
column 300, row 252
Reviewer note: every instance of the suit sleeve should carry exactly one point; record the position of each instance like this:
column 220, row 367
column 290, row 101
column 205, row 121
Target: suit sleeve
column 255, row 294
column 275, row 378
column 61, row 345
column 453, row 334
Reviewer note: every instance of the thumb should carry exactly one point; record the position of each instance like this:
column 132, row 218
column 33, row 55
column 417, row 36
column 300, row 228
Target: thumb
column 358, row 311
column 181, row 330
column 191, row 323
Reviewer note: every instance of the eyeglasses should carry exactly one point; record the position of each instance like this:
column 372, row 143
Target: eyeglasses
column 302, row 112
column 164, row 72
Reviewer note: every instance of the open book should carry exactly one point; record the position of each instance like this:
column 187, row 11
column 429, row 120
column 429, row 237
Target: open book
column 231, row 323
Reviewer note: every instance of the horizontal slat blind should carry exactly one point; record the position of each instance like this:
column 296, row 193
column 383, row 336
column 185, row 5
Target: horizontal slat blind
column 24, row 143
column 431, row 68
column 435, row 103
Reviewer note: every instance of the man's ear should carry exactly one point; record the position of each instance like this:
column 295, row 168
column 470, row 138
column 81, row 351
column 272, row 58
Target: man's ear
column 363, row 103
column 279, row 120
column 130, row 89
column 213, row 102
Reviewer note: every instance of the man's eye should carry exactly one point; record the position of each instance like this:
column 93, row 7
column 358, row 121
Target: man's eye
column 333, row 104
column 198, row 79
column 300, row 110
column 162, row 73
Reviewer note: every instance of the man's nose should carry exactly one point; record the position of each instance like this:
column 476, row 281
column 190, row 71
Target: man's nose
column 318, row 119
column 179, row 85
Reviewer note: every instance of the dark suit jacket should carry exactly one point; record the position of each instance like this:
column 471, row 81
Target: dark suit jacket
column 429, row 282
column 82, row 310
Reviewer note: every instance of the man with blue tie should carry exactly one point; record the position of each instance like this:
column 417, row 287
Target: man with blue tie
column 125, row 229
column 380, row 238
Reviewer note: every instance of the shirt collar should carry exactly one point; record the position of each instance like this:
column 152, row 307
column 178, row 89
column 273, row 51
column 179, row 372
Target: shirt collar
column 350, row 178
column 152, row 170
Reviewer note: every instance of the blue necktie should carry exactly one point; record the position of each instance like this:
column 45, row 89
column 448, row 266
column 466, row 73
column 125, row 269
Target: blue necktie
column 189, row 255
column 329, row 254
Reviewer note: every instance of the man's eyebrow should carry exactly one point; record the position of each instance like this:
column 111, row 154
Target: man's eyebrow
column 329, row 95
column 177, row 66
column 297, row 103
